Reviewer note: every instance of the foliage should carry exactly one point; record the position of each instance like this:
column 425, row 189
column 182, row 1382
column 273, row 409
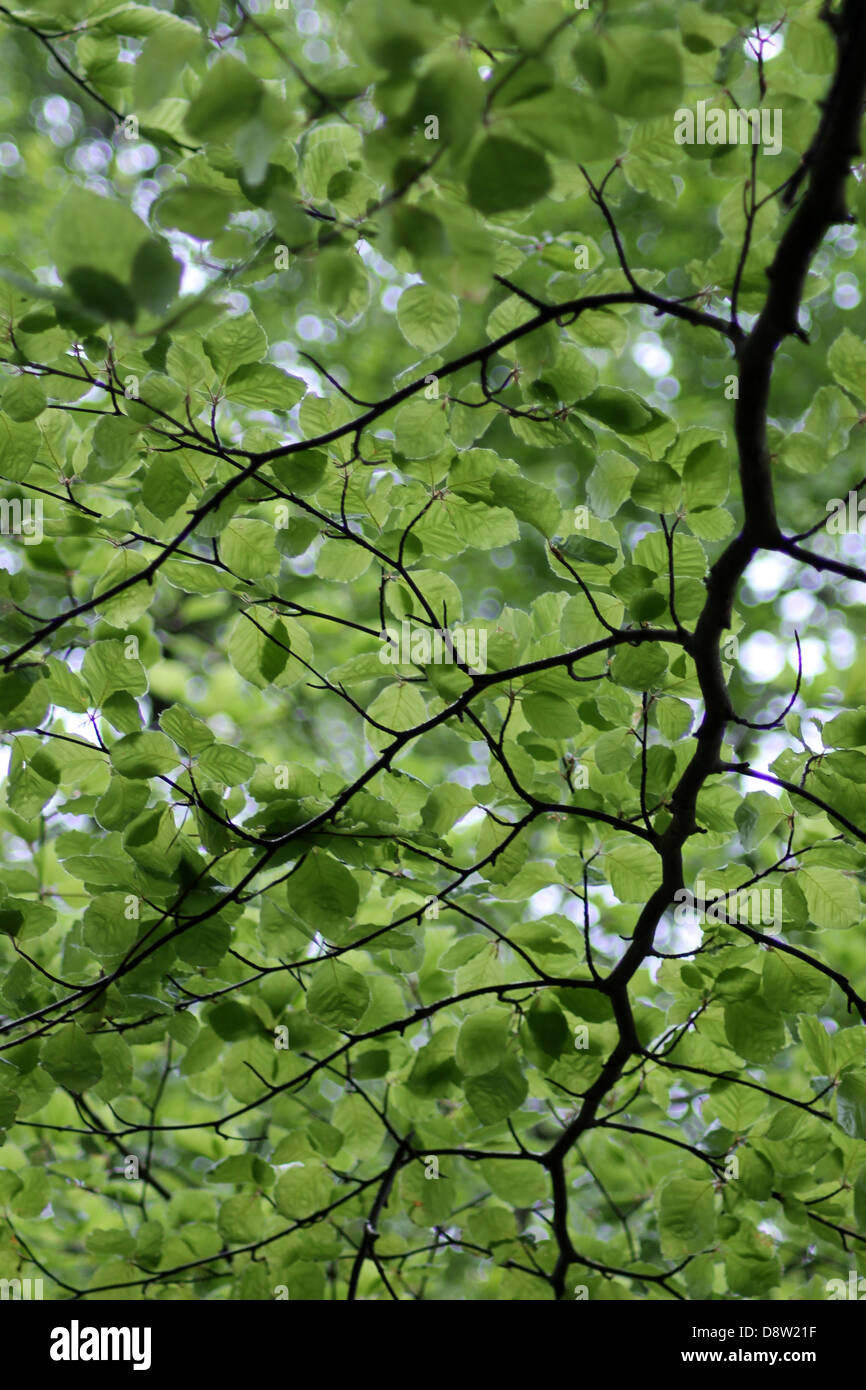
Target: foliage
column 336, row 963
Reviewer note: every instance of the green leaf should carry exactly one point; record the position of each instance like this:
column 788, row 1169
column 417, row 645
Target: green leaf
column 419, row 428
column 241, row 1219
column 634, row 870
column 529, row 501
column 227, row 98
column 752, row 1267
column 609, row 484
column 199, row 212
column 33, row 1196
column 151, row 840
column 481, row 1041
column 847, row 361
column 302, row 1191
column 674, row 718
column 639, row 668
column 155, row 279
column 343, row 283
column 301, row 472
column 109, row 930
column 116, row 443
column 232, row 1021
column 428, row 318
column 205, row 944
column 18, row 444
column 71, row 1060
column 166, row 487
column 9, row 1103
column 753, row 1030
column 90, row 230
column 548, row 1026
column 568, row 124
column 323, row 892
column 342, row 562
column 687, row 1218
column 100, row 294
column 124, row 608
column 434, row 1069
column 791, row 985
column 23, row 699
column 656, row 487
column 143, row 755
column 225, row 764
column 851, row 1104
column 706, row 476
column 817, row 1043
column 860, row 1199
column 643, row 74
column 107, row 669
column 833, row 900
column 588, row 551
column 23, row 398
column 265, row 387
column 235, row 343
column 110, row 1243
column 254, row 654
column 398, row 707
column 735, row 1106
column 497, row 1093
column 550, row 715
column 249, row 549
column 163, row 56
column 621, row 411
column 363, row 1133
column 338, row 995
column 506, row 175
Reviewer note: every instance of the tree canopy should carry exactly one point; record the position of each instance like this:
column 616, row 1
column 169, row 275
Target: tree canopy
column 430, row 671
